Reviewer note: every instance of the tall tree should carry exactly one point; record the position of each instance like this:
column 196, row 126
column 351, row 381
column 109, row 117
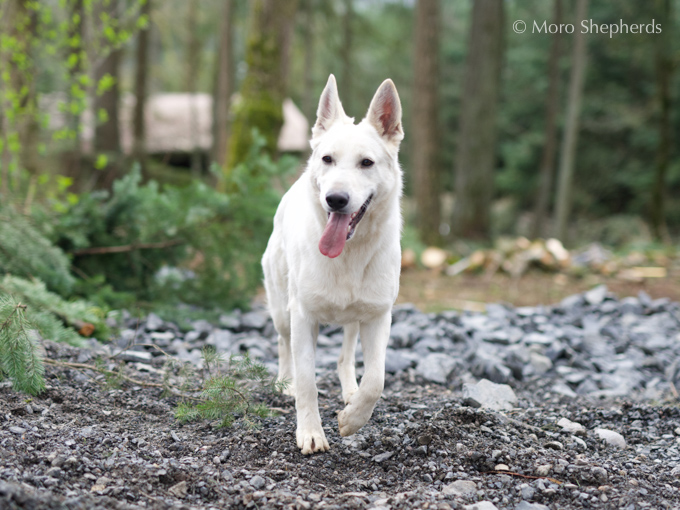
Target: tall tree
column 141, row 88
column 475, row 158
column 550, row 143
column 309, row 9
column 346, row 55
column 571, row 127
column 193, row 61
column 223, row 85
column 664, row 70
column 425, row 121
column 265, row 85
column 107, row 130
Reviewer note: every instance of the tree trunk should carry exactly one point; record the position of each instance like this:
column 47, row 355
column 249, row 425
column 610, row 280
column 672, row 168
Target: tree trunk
column 23, row 83
column 107, row 131
column 346, row 57
column 570, row 138
column 308, row 104
column 141, row 90
column 425, row 121
column 475, row 159
column 264, row 86
column 223, row 82
column 193, row 68
column 550, row 144
column 664, row 71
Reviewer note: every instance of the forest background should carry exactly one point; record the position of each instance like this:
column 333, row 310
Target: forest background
column 141, row 154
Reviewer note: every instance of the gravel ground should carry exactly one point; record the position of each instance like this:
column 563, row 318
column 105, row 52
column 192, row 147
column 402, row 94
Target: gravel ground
column 565, row 406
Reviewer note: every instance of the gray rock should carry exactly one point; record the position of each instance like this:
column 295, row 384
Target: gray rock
column 221, row 339
column 481, row 505
column 527, row 491
column 135, row 356
column 540, row 363
column 571, row 426
column 17, row 430
column 396, row 361
column 460, row 488
column 257, row 482
column 153, row 322
column 596, row 295
column 403, row 334
column 489, row 395
column 525, row 505
column 254, row 320
column 611, row 438
column 230, row 320
column 382, row 457
column 436, row 367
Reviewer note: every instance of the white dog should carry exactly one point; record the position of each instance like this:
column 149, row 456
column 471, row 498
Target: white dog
column 334, row 258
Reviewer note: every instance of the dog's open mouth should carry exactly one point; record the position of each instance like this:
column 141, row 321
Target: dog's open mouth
column 340, row 229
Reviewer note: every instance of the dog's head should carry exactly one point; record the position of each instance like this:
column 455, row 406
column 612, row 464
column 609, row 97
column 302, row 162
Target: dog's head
column 354, row 165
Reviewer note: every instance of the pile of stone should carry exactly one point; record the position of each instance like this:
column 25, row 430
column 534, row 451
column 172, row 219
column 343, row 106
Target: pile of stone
column 589, row 344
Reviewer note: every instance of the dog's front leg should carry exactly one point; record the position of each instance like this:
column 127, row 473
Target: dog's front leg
column 310, row 435
column 374, row 337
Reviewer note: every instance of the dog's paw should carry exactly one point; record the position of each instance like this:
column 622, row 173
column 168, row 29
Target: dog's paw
column 352, row 418
column 311, row 441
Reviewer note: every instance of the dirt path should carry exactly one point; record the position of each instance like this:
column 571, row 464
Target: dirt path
column 83, row 445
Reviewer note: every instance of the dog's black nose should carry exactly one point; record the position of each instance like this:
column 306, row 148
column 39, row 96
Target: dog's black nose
column 337, row 201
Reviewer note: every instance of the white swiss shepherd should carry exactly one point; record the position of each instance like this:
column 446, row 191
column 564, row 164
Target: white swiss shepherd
column 334, row 257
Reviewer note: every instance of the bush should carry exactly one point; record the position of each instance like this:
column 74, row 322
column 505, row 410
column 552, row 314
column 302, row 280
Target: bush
column 27, row 252
column 192, row 245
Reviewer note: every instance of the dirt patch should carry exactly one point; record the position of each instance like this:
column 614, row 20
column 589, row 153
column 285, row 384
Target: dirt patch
column 431, row 291
column 85, row 445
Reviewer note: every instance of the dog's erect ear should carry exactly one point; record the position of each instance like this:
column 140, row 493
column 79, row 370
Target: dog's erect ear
column 385, row 112
column 330, row 108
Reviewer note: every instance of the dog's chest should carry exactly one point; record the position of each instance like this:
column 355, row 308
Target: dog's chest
column 348, row 294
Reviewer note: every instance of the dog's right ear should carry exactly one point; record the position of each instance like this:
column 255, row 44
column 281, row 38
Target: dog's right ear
column 330, row 108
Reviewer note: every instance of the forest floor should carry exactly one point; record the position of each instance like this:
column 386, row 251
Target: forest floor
column 87, row 444
column 83, row 445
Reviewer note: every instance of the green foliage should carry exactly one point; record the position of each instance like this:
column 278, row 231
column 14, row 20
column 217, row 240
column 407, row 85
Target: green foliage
column 26, row 252
column 191, row 244
column 49, row 311
column 41, row 50
column 230, row 396
column 20, row 357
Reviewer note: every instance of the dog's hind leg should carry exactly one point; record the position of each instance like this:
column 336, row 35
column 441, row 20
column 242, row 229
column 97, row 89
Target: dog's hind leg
column 346, row 363
column 374, row 338
column 281, row 320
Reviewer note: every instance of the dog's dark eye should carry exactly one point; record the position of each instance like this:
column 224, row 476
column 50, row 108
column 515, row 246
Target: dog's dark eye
column 366, row 163
column 327, row 159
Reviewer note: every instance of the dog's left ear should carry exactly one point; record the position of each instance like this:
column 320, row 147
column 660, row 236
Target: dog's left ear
column 384, row 114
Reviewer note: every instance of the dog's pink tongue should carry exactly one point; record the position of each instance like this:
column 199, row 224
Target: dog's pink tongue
column 334, row 235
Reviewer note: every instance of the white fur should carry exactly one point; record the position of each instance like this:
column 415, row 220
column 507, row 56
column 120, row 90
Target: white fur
column 356, row 289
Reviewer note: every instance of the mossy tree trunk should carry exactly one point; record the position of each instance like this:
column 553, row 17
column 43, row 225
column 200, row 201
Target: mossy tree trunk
column 264, row 86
